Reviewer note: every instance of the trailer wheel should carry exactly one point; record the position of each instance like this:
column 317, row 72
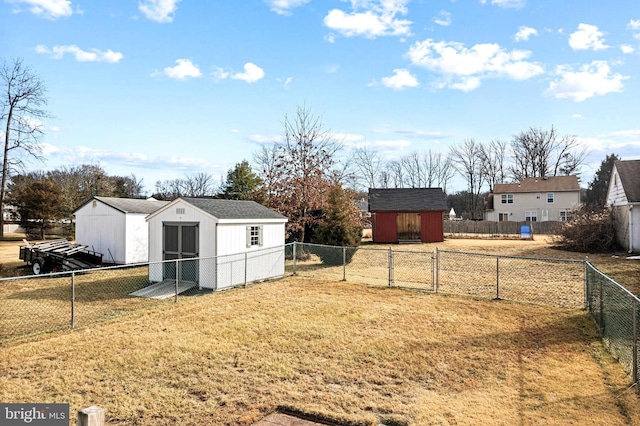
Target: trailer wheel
column 37, row 265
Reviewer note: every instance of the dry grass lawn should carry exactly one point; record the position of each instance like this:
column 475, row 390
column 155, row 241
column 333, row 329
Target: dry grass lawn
column 345, row 352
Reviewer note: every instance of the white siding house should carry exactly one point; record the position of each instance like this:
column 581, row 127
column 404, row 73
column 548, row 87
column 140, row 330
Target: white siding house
column 623, row 196
column 534, row 200
column 231, row 242
column 116, row 227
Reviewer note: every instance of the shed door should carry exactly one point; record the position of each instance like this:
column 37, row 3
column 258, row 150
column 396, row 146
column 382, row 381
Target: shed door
column 408, row 226
column 180, row 241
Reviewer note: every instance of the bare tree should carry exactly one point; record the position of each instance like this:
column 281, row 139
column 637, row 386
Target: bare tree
column 265, row 160
column 539, row 153
column 396, row 174
column 303, row 171
column 493, row 156
column 368, row 165
column 445, row 172
column 21, row 113
column 199, row 185
column 467, row 161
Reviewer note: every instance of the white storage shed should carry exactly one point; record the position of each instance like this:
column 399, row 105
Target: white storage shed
column 234, row 242
column 116, row 227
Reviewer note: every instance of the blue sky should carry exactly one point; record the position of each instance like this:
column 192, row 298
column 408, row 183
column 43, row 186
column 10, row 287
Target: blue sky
column 168, row 88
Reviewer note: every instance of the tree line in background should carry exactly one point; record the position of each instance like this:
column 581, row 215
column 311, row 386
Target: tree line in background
column 297, row 177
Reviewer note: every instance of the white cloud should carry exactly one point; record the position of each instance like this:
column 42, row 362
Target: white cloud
column 283, row 7
column 392, row 144
column 590, row 80
column 463, row 68
column 400, row 79
column 93, row 55
column 50, row 9
column 159, row 10
column 443, row 18
column 251, row 74
column 83, row 154
column 370, row 18
column 627, row 49
column 634, row 25
column 578, row 116
column 264, row 139
column 524, row 33
column 184, row 68
column 587, row 37
column 506, row 3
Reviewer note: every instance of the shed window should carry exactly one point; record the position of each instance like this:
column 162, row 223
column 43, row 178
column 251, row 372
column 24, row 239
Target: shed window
column 254, row 236
column 549, row 197
column 507, row 198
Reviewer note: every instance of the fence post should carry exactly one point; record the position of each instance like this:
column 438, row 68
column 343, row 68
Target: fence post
column 344, row 263
column 433, row 269
column 390, row 267
column 177, row 278
column 295, row 256
column 635, row 344
column 73, row 299
column 245, row 269
column 497, row 278
column 91, row 416
column 437, row 269
column 601, row 306
column 586, row 283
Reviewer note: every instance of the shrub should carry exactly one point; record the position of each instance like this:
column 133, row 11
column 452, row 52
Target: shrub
column 341, row 226
column 588, row 231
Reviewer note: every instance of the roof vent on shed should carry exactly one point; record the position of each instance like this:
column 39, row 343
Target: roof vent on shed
column 180, row 210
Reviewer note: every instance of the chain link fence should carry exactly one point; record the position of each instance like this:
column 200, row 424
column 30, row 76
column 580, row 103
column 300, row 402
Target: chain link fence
column 615, row 311
column 58, row 301
column 45, row 303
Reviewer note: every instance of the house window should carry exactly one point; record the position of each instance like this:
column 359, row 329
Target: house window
column 254, row 235
column 538, row 196
column 507, row 198
column 503, row 217
column 564, row 216
column 531, row 216
column 549, row 197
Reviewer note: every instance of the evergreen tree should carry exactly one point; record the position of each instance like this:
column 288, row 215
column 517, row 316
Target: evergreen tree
column 596, row 194
column 341, row 226
column 39, row 203
column 242, row 184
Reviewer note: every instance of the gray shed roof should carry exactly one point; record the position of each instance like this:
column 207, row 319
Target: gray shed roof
column 407, row 199
column 130, row 205
column 233, row 209
column 629, row 172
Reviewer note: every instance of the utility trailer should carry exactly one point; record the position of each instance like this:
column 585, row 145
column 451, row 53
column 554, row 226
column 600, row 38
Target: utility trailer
column 58, row 255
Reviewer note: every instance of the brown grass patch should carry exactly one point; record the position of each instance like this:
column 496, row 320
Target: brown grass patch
column 343, row 351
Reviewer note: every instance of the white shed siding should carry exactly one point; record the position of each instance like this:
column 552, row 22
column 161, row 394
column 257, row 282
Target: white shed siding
column 266, row 261
column 137, row 238
column 616, row 195
column 182, row 212
column 102, row 228
column 225, row 238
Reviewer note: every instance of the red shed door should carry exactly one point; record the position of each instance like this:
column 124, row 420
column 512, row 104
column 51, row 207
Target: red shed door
column 408, row 227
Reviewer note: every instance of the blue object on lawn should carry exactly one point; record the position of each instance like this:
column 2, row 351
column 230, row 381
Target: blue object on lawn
column 525, row 231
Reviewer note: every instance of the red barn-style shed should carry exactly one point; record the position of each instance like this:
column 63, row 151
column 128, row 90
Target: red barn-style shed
column 401, row 215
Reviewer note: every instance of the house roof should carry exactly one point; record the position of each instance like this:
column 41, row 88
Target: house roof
column 407, row 199
column 129, row 205
column 546, row 184
column 629, row 172
column 233, row 209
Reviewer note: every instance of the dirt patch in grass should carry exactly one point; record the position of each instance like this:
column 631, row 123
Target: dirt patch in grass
column 337, row 350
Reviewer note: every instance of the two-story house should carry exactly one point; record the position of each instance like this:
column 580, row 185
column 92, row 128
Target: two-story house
column 534, row 200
